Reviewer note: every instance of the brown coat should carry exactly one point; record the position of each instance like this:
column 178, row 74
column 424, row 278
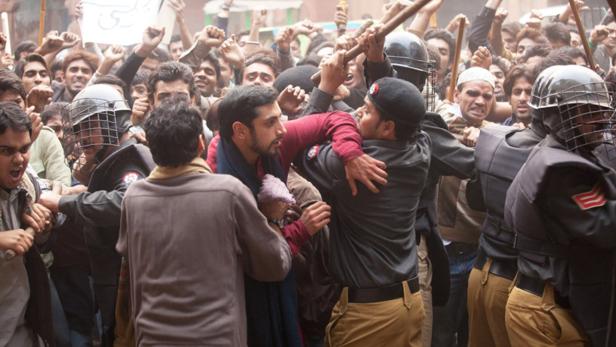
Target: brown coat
column 457, row 221
column 189, row 239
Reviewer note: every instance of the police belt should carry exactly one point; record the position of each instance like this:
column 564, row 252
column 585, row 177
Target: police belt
column 377, row 294
column 536, row 286
column 499, row 267
column 524, row 243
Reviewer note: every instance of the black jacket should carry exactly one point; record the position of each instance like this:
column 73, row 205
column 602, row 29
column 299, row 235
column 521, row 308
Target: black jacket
column 373, row 240
column 98, row 211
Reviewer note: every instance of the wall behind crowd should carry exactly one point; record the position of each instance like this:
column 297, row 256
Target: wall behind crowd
column 25, row 19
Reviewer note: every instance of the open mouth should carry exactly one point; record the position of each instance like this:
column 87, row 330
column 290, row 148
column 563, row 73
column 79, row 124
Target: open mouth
column 16, row 173
column 477, row 111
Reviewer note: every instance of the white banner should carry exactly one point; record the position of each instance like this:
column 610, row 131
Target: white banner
column 212, row 7
column 119, row 22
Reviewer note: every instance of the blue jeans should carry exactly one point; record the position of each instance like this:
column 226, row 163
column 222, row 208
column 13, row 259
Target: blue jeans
column 450, row 327
column 77, row 303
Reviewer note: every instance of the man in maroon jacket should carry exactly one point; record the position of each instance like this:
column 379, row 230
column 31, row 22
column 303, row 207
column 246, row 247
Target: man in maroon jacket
column 254, row 142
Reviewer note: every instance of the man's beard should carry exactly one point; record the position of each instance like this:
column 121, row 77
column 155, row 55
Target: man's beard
column 262, row 150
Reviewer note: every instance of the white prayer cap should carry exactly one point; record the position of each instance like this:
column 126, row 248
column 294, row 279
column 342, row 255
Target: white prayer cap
column 476, row 74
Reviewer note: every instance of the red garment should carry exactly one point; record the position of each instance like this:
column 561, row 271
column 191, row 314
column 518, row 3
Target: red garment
column 301, row 133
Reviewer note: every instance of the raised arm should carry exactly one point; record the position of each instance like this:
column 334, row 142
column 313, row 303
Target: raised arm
column 152, row 37
column 422, row 19
column 178, row 7
column 55, row 42
column 481, row 25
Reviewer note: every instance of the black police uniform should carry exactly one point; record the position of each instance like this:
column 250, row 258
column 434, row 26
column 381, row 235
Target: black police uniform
column 562, row 208
column 448, row 158
column 500, row 153
column 98, row 210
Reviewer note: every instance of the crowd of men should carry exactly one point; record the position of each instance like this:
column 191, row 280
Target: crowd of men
column 210, row 193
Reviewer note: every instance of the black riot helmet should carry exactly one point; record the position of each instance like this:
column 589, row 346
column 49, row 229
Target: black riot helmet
column 409, row 57
column 575, row 107
column 98, row 116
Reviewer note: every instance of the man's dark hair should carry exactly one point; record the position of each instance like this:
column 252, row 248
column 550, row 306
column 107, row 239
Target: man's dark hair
column 175, row 38
column 557, row 32
column 444, row 35
column 169, row 72
column 517, row 72
column 20, row 66
column 10, row 82
column 213, row 59
column 173, row 131
column 55, row 66
column 160, row 54
column 54, row 109
column 24, row 46
column 557, row 57
column 110, row 79
column 534, row 35
column 310, row 59
column 242, row 33
column 513, row 28
column 141, row 77
column 212, row 116
column 501, row 63
column 265, row 57
column 13, row 117
column 90, row 58
column 535, row 51
column 240, row 105
column 571, row 52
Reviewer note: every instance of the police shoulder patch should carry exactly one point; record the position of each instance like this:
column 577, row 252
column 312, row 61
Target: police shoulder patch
column 312, row 152
column 130, row 177
column 591, row 199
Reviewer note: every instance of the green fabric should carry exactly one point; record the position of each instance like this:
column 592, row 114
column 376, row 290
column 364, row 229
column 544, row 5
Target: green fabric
column 47, row 158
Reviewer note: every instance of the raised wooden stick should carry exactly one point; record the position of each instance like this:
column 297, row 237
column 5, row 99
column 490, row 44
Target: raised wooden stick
column 580, row 27
column 385, row 29
column 456, row 59
column 41, row 33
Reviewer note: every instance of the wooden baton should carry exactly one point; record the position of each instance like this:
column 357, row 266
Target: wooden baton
column 41, row 33
column 456, row 59
column 385, row 29
column 580, row 27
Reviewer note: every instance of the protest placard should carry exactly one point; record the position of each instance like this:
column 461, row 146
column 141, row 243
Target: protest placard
column 117, row 21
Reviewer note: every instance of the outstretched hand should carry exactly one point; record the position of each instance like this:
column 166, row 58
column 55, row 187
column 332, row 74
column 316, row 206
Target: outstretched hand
column 316, row 216
column 367, row 170
column 291, row 100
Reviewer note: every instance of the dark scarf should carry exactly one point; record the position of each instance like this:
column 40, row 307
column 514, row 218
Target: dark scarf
column 271, row 307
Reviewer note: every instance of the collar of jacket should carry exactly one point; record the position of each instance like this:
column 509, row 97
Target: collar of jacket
column 197, row 165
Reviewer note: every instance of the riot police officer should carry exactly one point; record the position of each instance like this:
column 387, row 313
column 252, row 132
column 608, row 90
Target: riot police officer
column 499, row 155
column 405, row 55
column 100, row 119
column 562, row 208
